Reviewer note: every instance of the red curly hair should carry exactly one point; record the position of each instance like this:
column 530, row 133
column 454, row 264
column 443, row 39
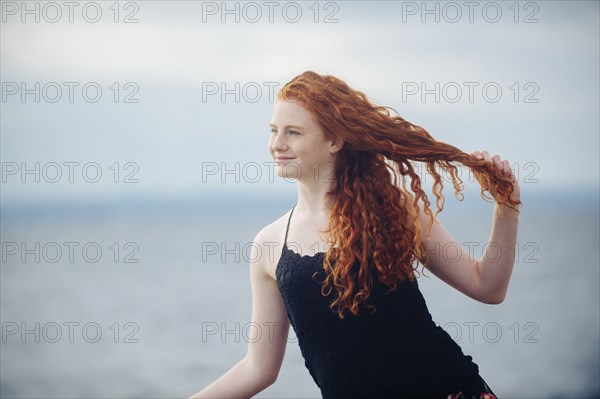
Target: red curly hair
column 372, row 216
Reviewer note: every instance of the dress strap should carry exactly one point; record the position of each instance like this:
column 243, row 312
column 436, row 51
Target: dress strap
column 288, row 227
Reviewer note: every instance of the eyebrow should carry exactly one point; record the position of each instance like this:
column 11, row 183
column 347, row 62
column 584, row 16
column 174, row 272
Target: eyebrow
column 289, row 126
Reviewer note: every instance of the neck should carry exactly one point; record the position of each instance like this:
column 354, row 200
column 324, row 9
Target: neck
column 313, row 198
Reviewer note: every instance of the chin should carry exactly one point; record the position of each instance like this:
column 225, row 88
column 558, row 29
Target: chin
column 287, row 172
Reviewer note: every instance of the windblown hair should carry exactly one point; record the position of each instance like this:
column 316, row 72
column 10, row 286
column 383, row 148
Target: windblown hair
column 372, row 216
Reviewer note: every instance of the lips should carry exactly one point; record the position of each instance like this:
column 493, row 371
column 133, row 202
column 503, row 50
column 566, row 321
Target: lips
column 282, row 159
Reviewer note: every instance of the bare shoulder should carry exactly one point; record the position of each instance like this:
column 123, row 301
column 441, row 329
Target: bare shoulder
column 269, row 244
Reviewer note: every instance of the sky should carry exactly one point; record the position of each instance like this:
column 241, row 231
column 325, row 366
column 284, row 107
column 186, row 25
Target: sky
column 156, row 99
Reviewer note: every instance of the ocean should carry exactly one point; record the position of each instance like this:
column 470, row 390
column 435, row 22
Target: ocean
column 153, row 299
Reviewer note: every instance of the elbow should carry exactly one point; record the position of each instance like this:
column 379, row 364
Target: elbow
column 263, row 376
column 493, row 301
column 491, row 293
column 269, row 382
column 493, row 298
column 264, row 381
column 271, row 379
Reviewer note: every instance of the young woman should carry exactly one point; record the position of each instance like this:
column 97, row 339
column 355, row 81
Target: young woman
column 345, row 277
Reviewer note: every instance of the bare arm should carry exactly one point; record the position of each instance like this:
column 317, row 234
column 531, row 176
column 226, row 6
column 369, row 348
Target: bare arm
column 486, row 279
column 496, row 265
column 267, row 337
column 241, row 381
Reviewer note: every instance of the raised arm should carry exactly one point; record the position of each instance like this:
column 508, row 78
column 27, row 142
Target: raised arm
column 268, row 335
column 485, row 279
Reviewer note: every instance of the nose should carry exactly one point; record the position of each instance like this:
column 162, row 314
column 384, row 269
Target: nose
column 278, row 143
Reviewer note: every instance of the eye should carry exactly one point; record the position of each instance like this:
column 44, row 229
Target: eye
column 293, row 132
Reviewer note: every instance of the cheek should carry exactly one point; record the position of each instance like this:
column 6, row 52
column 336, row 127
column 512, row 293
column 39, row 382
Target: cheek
column 322, row 154
column 313, row 159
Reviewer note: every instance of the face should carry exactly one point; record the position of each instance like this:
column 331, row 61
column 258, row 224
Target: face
column 298, row 145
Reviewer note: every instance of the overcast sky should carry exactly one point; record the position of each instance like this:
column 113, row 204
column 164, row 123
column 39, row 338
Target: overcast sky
column 517, row 79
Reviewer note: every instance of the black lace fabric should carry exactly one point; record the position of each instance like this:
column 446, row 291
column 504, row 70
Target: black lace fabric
column 396, row 352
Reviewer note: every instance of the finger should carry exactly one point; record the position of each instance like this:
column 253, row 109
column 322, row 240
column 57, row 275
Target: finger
column 506, row 166
column 497, row 161
column 486, row 155
column 476, row 154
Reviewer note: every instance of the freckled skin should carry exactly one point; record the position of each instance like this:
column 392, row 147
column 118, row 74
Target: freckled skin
column 306, row 144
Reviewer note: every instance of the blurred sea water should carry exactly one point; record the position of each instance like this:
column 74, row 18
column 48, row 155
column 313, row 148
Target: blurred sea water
column 175, row 320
